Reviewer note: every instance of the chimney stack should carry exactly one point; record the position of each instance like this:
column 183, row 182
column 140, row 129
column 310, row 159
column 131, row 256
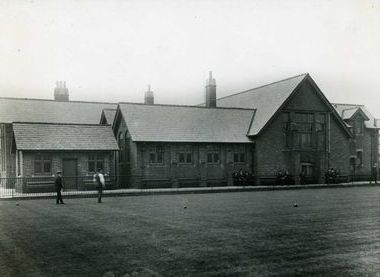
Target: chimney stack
column 149, row 98
column 61, row 93
column 210, row 95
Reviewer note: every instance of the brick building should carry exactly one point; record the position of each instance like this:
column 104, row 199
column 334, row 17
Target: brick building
column 57, row 111
column 293, row 128
column 78, row 150
column 288, row 125
column 165, row 145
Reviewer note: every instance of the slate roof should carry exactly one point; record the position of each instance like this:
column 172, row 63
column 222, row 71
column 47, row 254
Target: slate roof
column 50, row 111
column 109, row 115
column 265, row 99
column 47, row 136
column 174, row 123
column 346, row 111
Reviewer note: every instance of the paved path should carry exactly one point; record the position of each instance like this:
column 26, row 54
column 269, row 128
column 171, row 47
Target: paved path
column 11, row 194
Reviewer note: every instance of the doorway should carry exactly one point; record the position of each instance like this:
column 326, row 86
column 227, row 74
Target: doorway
column 70, row 174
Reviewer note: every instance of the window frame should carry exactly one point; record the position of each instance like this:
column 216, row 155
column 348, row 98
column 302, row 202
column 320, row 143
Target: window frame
column 213, row 160
column 156, row 152
column 97, row 160
column 186, row 155
column 126, row 150
column 305, row 134
column 241, row 157
column 45, row 159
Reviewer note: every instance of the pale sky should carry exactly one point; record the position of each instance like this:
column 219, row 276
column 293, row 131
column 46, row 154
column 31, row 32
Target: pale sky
column 111, row 50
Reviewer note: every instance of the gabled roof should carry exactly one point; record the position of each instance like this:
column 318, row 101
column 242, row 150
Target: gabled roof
column 107, row 117
column 174, row 123
column 269, row 99
column 347, row 111
column 351, row 112
column 50, row 111
column 265, row 99
column 47, row 136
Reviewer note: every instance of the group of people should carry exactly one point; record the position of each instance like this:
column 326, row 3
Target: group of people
column 99, row 182
column 283, row 178
column 242, row 178
column 332, row 175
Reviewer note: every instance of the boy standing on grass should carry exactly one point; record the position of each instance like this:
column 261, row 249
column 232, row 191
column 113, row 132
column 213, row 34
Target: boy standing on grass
column 58, row 188
column 100, row 184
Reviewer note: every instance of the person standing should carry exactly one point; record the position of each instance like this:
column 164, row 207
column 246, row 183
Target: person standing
column 374, row 173
column 100, row 184
column 58, row 187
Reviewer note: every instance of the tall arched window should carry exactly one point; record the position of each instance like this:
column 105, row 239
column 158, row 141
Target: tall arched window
column 126, row 147
column 120, row 144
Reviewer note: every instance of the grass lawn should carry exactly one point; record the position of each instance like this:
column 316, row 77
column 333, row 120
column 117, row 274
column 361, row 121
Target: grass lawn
column 334, row 232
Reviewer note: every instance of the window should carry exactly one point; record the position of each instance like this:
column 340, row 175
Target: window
column 239, row 157
column 358, row 127
column 304, row 123
column 185, row 157
column 121, row 148
column 42, row 164
column 285, row 121
column 320, row 128
column 212, row 157
column 286, row 129
column 307, row 169
column 127, row 157
column 156, row 156
column 95, row 162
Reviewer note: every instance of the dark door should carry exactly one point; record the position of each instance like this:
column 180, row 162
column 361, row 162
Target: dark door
column 70, row 174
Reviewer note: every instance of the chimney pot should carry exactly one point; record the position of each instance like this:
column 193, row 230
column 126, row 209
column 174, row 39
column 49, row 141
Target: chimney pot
column 61, row 93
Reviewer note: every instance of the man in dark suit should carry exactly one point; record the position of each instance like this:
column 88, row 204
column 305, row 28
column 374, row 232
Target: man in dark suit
column 58, row 187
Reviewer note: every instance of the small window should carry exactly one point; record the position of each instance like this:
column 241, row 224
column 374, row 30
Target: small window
column 156, row 156
column 285, row 121
column 185, row 157
column 212, row 157
column 239, row 158
column 358, row 127
column 42, row 164
column 320, row 122
column 95, row 162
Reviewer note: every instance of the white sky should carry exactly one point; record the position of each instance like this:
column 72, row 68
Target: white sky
column 111, row 50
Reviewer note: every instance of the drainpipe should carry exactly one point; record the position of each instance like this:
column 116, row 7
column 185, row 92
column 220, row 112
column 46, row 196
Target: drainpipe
column 328, row 145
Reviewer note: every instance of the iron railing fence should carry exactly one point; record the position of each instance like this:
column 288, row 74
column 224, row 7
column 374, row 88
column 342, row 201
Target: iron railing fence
column 37, row 185
column 82, row 185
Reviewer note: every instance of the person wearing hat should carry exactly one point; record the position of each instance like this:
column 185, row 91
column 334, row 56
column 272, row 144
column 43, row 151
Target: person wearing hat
column 58, row 187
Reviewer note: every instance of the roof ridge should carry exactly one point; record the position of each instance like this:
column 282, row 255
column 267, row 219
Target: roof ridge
column 346, row 104
column 351, row 108
column 185, row 106
column 272, row 83
column 52, row 123
column 52, row 100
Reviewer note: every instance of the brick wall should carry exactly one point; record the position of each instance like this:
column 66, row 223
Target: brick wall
column 272, row 155
column 57, row 162
column 339, row 148
column 173, row 173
